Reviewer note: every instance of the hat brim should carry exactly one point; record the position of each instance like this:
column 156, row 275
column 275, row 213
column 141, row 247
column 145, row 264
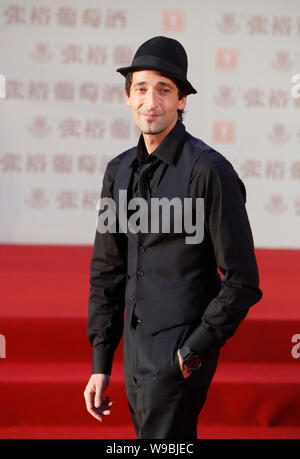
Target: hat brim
column 187, row 85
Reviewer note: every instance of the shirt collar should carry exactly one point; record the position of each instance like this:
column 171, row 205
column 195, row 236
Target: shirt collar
column 167, row 150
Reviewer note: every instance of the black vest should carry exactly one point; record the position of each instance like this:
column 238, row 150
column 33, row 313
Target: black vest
column 170, row 282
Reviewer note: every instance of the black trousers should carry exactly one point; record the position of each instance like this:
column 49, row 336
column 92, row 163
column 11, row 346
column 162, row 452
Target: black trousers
column 163, row 405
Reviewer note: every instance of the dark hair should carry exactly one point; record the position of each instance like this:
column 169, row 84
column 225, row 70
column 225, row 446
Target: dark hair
column 180, row 86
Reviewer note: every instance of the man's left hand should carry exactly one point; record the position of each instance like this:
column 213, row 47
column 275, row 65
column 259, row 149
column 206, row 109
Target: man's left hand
column 184, row 370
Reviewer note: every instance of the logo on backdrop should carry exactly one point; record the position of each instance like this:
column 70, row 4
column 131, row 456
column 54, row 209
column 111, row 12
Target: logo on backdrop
column 173, row 20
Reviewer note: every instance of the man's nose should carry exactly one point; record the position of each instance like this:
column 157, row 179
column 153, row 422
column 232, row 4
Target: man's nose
column 150, row 100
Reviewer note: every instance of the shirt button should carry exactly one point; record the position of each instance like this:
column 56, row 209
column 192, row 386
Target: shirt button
column 140, row 273
column 141, row 248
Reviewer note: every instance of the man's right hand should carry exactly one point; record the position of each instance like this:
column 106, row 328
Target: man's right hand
column 96, row 405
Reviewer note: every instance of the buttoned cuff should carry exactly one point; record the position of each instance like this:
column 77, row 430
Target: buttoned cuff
column 203, row 342
column 102, row 361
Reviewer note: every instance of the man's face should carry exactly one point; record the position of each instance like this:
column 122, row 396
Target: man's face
column 154, row 102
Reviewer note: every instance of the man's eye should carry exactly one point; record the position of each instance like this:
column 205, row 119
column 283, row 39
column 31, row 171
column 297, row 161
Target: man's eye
column 141, row 89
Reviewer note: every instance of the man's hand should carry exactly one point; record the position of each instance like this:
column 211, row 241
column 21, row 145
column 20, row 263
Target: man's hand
column 184, row 370
column 96, row 405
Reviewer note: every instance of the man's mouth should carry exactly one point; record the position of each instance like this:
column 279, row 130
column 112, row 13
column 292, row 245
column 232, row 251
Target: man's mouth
column 150, row 116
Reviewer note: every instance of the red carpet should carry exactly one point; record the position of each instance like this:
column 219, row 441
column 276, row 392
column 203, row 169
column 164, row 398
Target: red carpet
column 44, row 291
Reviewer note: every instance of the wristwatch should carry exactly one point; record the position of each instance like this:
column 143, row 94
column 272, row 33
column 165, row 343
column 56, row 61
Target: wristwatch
column 191, row 360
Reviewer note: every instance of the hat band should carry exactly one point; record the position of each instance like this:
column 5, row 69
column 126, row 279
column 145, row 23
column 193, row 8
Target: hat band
column 153, row 61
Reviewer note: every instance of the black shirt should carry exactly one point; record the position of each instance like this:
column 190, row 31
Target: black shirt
column 226, row 223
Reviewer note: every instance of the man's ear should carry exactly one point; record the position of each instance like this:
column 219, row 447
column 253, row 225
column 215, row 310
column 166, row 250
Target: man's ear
column 182, row 103
column 127, row 99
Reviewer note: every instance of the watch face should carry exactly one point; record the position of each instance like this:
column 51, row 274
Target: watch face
column 194, row 362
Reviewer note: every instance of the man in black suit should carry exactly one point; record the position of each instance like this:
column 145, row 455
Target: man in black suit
column 179, row 311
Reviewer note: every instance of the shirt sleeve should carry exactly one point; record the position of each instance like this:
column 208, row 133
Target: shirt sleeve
column 227, row 225
column 107, row 288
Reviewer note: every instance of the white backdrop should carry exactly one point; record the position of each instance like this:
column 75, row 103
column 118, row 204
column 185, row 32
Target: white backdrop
column 65, row 115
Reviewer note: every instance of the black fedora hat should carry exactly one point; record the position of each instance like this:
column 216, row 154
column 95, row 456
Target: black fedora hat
column 164, row 54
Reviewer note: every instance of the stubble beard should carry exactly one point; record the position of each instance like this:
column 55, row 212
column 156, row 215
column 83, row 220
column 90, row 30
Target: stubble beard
column 148, row 127
column 152, row 131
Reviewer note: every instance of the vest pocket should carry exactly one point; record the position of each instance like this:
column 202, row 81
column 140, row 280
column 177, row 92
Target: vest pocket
column 174, row 284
